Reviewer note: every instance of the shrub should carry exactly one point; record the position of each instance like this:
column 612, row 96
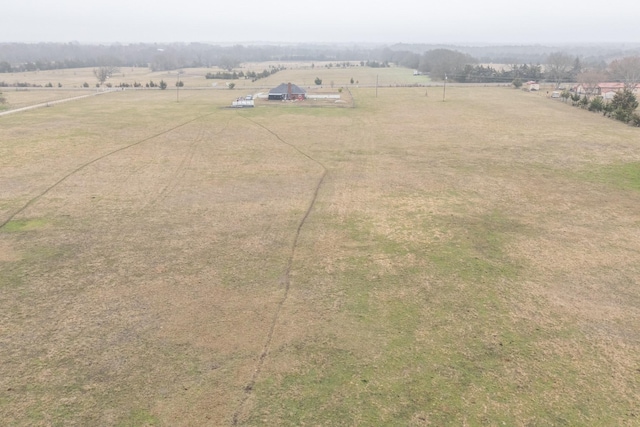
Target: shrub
column 85, row 84
column 621, row 115
column 575, row 98
column 318, row 81
column 517, row 83
column 163, row 84
column 584, row 102
column 596, row 104
column 635, row 119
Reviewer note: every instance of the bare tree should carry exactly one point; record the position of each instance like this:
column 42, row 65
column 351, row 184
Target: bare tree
column 103, row 72
column 558, row 66
column 590, row 80
column 627, row 70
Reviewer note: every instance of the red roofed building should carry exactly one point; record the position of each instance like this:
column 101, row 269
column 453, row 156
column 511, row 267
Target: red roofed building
column 605, row 90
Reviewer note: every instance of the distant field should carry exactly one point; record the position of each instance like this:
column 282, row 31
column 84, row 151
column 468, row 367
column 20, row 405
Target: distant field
column 302, row 74
column 406, row 262
column 299, row 73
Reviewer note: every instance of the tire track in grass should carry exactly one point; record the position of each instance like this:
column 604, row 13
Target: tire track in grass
column 181, row 171
column 248, row 389
column 97, row 159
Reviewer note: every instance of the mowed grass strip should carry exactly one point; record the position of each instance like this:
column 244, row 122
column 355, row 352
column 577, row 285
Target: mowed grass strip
column 459, row 265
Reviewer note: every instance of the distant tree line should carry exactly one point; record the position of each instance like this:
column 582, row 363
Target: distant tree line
column 234, row 75
column 19, row 57
column 18, row 84
column 375, row 64
column 455, row 63
column 225, row 75
column 589, row 54
column 558, row 68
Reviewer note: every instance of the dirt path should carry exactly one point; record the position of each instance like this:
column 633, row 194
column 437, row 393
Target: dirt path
column 50, row 103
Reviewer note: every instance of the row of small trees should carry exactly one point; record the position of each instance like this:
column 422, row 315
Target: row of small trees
column 18, row 84
column 225, row 75
column 234, row 75
column 622, row 107
column 162, row 85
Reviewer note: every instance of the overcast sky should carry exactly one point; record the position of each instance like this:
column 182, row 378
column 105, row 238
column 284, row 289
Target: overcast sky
column 409, row 21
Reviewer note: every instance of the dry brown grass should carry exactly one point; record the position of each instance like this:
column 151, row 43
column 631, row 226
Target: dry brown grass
column 462, row 263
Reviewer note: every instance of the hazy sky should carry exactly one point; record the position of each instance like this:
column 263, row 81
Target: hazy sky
column 410, row 21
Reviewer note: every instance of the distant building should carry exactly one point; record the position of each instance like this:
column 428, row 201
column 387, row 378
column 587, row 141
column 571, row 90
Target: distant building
column 287, row 91
column 606, row 90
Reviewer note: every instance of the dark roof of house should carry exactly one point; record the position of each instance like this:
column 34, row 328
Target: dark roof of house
column 284, row 88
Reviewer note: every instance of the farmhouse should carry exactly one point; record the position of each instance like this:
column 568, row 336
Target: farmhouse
column 606, row 90
column 287, row 91
column 609, row 90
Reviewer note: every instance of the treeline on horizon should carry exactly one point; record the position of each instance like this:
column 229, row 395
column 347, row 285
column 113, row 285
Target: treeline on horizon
column 17, row 57
column 458, row 63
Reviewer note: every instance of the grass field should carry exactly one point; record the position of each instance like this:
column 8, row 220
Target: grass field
column 72, row 81
column 406, row 262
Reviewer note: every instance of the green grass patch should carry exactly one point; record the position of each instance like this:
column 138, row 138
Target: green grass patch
column 625, row 176
column 139, row 418
column 476, row 251
column 25, row 225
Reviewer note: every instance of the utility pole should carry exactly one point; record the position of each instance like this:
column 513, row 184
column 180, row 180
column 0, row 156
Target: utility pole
column 178, row 88
column 444, row 88
column 376, row 85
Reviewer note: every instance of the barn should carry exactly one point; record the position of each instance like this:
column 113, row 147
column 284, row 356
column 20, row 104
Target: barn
column 286, row 91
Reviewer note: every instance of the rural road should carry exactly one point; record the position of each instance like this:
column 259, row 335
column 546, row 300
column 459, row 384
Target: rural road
column 50, row 103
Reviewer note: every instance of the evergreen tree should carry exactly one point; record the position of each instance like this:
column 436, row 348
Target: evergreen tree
column 623, row 106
